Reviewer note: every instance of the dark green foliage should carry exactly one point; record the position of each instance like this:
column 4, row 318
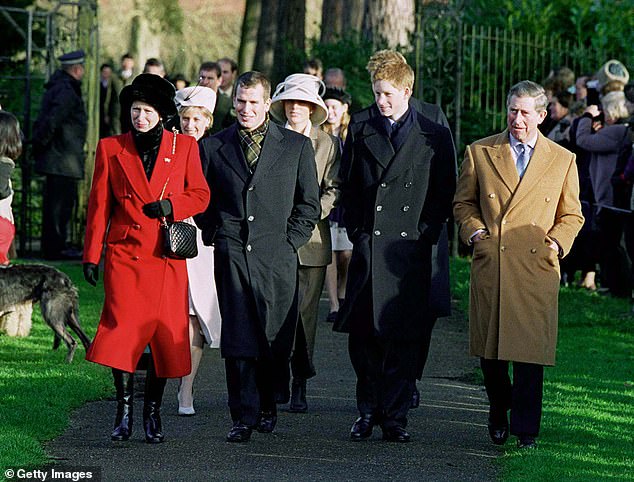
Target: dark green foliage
column 350, row 54
column 601, row 24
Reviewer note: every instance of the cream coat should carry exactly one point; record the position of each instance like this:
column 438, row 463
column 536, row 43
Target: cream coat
column 515, row 274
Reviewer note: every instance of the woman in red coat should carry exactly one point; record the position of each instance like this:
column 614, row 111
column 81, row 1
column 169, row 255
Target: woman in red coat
column 140, row 177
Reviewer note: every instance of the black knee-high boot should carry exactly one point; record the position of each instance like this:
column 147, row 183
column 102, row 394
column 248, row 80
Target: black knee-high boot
column 124, row 384
column 154, row 387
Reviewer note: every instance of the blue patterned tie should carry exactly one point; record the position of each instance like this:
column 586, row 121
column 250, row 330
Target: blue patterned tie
column 522, row 159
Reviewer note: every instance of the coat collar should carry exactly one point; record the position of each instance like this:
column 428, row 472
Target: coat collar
column 501, row 159
column 131, row 164
column 232, row 153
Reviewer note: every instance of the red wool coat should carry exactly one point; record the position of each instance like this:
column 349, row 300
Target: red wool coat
column 145, row 292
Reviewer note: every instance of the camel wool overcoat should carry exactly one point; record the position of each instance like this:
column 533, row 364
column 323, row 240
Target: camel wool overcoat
column 145, row 291
column 514, row 273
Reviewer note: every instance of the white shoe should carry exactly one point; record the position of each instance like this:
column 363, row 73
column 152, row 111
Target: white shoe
column 186, row 411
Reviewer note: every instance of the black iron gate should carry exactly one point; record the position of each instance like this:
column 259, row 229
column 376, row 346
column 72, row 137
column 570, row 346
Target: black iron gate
column 45, row 34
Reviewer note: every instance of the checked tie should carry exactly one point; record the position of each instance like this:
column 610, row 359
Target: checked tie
column 522, row 159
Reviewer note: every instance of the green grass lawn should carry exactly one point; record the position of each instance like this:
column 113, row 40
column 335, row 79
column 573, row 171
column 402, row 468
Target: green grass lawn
column 588, row 420
column 38, row 389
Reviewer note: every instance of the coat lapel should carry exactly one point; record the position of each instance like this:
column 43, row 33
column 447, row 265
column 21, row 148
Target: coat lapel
column 129, row 161
column 540, row 161
column 410, row 152
column 272, row 151
column 502, row 162
column 378, row 144
column 232, row 153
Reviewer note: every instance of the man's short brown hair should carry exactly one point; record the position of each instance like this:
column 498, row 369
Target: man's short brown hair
column 382, row 56
column 398, row 73
column 251, row 79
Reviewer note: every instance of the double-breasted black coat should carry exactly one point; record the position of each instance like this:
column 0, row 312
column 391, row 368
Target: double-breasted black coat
column 395, row 205
column 440, row 295
column 257, row 222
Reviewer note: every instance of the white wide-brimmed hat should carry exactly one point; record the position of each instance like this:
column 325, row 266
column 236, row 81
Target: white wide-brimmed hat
column 304, row 87
column 196, row 96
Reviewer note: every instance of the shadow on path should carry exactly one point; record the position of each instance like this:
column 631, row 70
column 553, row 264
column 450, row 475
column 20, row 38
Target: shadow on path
column 449, row 435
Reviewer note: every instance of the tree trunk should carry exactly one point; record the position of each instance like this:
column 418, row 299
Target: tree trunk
column 389, row 22
column 248, row 40
column 331, row 20
column 352, row 19
column 291, row 40
column 267, row 37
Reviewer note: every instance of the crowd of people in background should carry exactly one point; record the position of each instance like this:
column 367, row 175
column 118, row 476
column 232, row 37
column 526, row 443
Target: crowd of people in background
column 226, row 113
column 591, row 115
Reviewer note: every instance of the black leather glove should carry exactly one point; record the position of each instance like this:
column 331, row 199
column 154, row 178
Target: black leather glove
column 158, row 209
column 91, row 273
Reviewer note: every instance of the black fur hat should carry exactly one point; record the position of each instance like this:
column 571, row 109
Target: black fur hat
column 151, row 89
column 339, row 94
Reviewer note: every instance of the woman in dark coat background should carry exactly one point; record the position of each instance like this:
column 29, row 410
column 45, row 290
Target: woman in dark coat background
column 141, row 177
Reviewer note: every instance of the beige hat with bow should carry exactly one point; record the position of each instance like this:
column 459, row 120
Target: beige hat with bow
column 305, row 87
column 196, row 96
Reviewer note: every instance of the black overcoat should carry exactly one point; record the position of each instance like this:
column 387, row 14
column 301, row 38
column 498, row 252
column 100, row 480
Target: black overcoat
column 396, row 205
column 256, row 223
column 59, row 133
column 440, row 295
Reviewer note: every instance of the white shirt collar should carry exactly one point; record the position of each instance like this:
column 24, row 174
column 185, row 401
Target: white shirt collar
column 306, row 131
column 514, row 142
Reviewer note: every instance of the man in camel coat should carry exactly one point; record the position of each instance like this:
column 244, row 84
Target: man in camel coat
column 517, row 203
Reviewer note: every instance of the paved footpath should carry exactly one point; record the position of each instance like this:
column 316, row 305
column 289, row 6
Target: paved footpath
column 449, row 435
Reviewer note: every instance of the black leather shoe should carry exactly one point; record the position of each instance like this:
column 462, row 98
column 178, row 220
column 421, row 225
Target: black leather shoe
column 298, row 396
column 396, row 434
column 415, row 398
column 239, row 433
column 498, row 434
column 362, row 427
column 524, row 442
column 267, row 422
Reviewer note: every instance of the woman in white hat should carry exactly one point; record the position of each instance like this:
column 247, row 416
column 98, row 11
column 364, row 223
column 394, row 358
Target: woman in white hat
column 195, row 106
column 297, row 102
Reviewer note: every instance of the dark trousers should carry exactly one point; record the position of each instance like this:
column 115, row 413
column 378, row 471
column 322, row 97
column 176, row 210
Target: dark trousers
column 385, row 380
column 615, row 265
column 59, row 200
column 250, row 385
column 523, row 396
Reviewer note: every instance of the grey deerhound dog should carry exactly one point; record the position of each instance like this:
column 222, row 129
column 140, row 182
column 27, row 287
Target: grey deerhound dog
column 23, row 284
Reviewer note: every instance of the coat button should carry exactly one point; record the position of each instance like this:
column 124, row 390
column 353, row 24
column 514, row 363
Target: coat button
column 502, row 248
column 504, row 221
column 379, row 208
column 377, row 233
column 408, row 184
column 403, row 234
column 547, row 199
column 250, row 218
column 533, row 250
column 135, row 258
column 251, row 188
column 249, row 248
column 492, row 196
column 136, row 226
column 383, row 184
column 405, row 208
column 128, row 196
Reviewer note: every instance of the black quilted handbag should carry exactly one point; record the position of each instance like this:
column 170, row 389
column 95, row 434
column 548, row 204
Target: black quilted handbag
column 179, row 239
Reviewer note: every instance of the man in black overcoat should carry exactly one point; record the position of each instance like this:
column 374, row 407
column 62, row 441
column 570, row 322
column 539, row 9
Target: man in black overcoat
column 264, row 206
column 440, row 296
column 399, row 178
column 59, row 135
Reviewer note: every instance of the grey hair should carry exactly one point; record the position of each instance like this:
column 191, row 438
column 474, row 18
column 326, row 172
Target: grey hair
column 527, row 88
